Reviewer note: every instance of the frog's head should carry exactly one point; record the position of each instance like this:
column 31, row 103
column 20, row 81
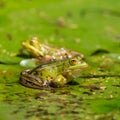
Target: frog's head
column 77, row 65
column 33, row 47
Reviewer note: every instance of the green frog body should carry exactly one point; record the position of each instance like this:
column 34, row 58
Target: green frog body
column 54, row 74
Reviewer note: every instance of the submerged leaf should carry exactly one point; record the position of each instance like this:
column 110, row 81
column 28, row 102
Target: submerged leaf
column 28, row 63
column 99, row 51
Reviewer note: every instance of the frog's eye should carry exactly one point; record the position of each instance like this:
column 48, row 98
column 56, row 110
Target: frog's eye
column 73, row 61
column 32, row 42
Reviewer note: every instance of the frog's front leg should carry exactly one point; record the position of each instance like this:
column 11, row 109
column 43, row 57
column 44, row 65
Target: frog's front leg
column 59, row 81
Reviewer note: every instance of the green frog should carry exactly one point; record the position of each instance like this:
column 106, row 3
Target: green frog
column 44, row 53
column 53, row 74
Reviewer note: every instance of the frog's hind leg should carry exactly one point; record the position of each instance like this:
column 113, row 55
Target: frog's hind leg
column 32, row 81
column 59, row 81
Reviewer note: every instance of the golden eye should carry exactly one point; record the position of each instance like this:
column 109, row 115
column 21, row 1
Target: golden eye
column 31, row 42
column 73, row 61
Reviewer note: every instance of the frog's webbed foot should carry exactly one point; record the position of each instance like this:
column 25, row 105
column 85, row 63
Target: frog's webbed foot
column 59, row 81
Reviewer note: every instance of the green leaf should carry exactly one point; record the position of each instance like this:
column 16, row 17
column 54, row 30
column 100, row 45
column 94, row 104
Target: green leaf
column 81, row 25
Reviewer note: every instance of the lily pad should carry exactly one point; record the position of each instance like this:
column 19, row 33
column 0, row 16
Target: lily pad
column 84, row 26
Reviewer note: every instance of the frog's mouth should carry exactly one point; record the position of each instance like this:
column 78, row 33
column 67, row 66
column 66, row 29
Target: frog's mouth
column 82, row 66
column 32, row 81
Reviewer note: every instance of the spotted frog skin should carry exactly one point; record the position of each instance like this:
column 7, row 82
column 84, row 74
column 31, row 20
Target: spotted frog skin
column 53, row 74
column 46, row 53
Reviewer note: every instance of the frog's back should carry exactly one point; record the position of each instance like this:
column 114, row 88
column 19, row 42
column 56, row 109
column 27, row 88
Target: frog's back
column 58, row 66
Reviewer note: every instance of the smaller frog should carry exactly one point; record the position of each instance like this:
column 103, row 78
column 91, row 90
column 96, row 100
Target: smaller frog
column 44, row 53
column 54, row 74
